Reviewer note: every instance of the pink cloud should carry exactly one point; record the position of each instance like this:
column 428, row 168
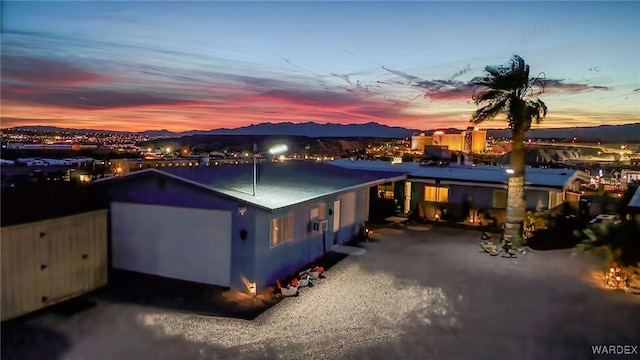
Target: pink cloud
column 46, row 72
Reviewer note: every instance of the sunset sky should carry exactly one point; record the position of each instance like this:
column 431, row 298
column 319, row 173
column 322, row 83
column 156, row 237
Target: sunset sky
column 208, row 64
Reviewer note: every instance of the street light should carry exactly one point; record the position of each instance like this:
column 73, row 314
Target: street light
column 278, row 149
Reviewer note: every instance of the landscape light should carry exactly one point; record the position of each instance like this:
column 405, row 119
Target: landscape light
column 253, row 288
column 278, row 149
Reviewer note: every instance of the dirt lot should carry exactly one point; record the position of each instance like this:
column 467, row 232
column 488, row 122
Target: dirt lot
column 413, row 295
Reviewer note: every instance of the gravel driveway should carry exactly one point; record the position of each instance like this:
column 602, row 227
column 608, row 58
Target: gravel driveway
column 413, row 295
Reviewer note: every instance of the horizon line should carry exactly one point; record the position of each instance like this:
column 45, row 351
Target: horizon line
column 308, row 122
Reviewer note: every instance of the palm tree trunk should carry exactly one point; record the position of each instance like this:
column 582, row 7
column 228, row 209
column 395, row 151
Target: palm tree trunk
column 516, row 203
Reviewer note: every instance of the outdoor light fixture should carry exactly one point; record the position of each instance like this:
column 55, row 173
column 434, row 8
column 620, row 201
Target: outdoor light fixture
column 242, row 210
column 278, row 149
column 253, row 288
column 509, row 171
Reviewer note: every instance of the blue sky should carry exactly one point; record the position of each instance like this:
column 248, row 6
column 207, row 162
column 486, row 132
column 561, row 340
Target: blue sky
column 209, row 64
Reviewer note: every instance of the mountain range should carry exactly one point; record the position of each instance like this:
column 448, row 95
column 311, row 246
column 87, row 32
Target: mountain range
column 627, row 132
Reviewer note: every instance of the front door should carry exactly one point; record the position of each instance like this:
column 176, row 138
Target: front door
column 336, row 222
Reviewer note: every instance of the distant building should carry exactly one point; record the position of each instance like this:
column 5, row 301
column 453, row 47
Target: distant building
column 66, row 146
column 628, row 176
column 125, row 166
column 471, row 140
column 418, row 142
column 475, row 140
column 454, row 142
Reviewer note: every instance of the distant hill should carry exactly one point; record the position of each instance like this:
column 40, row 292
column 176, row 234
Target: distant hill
column 629, row 132
column 312, row 129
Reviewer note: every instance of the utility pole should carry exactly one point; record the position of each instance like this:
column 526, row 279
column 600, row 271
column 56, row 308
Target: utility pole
column 255, row 168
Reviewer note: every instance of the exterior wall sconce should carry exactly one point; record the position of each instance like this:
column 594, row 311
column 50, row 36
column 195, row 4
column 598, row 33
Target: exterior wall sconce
column 42, row 234
column 253, row 289
column 330, row 212
column 242, row 211
column 243, row 234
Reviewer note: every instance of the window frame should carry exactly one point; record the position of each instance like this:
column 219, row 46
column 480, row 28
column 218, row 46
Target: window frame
column 283, row 236
column 387, row 189
column 439, row 190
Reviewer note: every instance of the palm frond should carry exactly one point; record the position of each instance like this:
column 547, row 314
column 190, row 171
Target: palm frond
column 508, row 89
column 489, row 111
column 490, row 95
column 537, row 110
column 517, row 115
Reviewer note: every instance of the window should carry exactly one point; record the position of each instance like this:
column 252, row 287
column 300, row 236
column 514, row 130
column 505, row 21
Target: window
column 436, row 193
column 385, row 191
column 500, row 198
column 281, row 229
column 318, row 212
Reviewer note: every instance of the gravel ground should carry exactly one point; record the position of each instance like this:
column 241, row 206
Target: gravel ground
column 413, row 295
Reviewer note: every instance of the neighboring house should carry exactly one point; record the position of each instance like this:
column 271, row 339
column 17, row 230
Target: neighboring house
column 431, row 189
column 202, row 224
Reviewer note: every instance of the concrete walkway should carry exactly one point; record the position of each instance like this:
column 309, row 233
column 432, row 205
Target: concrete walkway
column 349, row 250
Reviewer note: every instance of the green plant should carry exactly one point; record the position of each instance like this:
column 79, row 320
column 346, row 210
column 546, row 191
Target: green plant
column 535, row 222
column 614, row 243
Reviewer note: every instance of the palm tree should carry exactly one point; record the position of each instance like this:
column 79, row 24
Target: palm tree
column 508, row 90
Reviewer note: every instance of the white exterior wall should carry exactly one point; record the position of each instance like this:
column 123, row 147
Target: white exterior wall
column 179, row 243
column 348, row 225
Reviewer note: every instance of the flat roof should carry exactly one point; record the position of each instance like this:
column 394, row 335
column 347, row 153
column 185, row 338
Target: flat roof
column 538, row 177
column 280, row 184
